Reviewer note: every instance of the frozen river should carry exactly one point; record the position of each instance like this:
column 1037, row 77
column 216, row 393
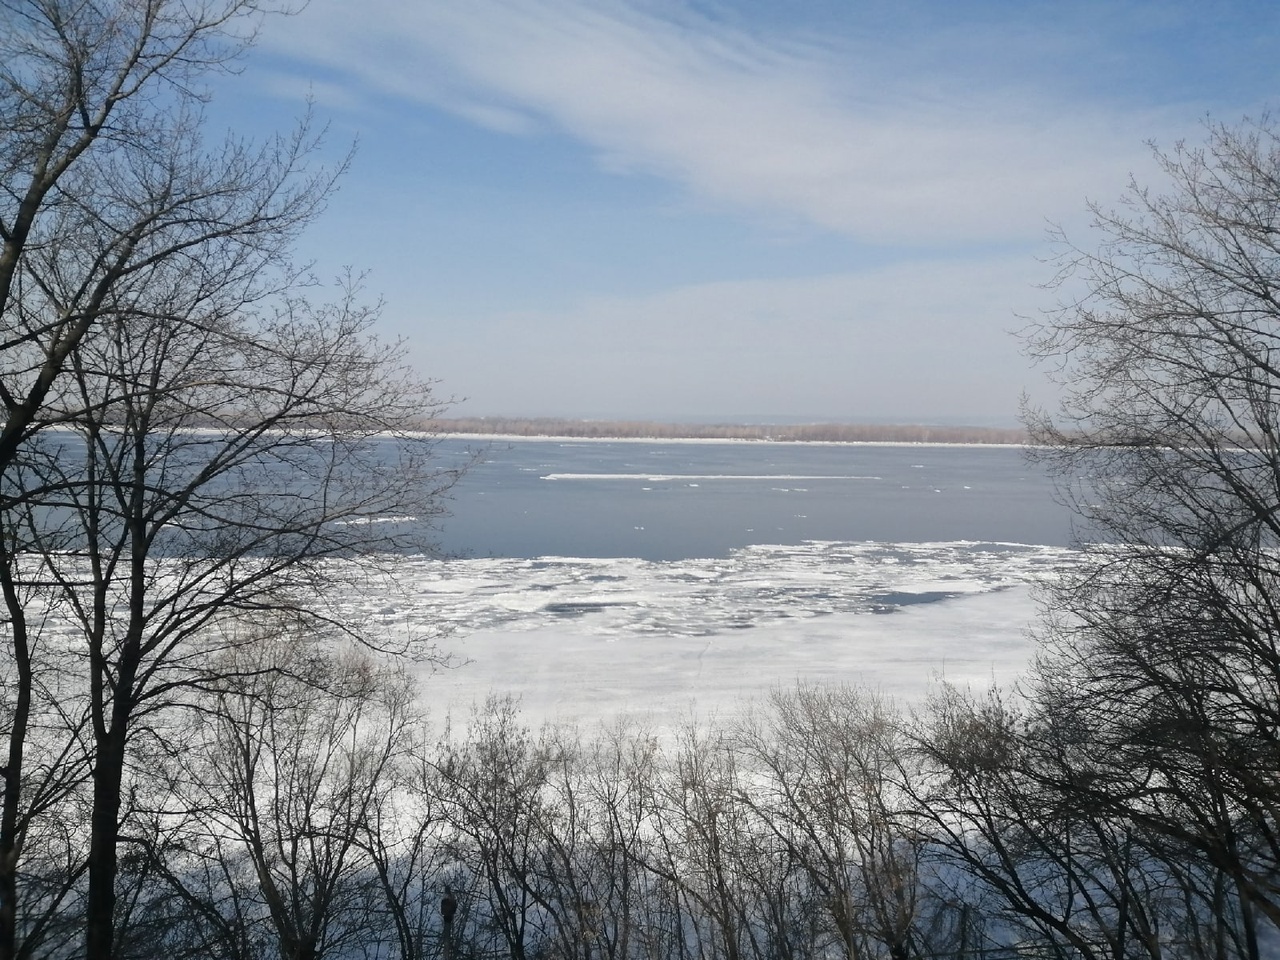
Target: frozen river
column 664, row 580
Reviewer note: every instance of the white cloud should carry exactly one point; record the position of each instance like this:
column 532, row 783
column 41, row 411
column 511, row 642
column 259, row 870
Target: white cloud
column 918, row 340
column 834, row 135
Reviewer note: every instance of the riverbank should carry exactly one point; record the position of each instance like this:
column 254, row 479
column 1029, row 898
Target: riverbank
column 548, row 428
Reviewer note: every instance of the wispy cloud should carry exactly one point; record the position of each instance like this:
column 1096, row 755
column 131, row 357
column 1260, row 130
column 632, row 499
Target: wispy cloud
column 839, row 134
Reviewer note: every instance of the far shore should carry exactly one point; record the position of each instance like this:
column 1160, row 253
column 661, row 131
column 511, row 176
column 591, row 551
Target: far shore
column 526, row 437
column 507, row 429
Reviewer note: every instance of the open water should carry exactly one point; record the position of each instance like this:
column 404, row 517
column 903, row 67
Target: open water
column 674, row 501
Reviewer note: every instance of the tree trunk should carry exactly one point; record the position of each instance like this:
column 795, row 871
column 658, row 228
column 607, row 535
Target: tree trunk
column 104, row 835
column 11, row 773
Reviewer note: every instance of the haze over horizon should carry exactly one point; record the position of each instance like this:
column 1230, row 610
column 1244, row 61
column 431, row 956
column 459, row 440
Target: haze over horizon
column 693, row 211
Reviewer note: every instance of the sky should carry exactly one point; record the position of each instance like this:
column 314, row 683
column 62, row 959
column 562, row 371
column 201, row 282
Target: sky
column 749, row 210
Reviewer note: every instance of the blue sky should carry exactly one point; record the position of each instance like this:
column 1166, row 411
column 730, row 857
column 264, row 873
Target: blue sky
column 801, row 209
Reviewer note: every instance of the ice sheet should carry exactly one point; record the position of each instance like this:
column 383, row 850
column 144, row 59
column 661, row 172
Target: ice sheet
column 589, row 639
column 569, row 674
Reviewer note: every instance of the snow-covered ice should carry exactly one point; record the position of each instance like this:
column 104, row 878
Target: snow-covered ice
column 589, row 639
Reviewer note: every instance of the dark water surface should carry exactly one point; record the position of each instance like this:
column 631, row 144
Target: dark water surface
column 669, row 501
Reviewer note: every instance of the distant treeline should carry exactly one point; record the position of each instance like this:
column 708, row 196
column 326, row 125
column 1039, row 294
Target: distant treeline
column 813, row 432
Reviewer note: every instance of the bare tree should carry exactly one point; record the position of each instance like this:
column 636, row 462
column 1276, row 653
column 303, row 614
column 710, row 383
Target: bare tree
column 1164, row 646
column 218, row 467
column 218, row 436
column 706, row 838
column 406, row 841
column 299, row 757
column 492, row 790
column 621, row 769
column 832, row 758
column 105, row 183
column 1026, row 856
